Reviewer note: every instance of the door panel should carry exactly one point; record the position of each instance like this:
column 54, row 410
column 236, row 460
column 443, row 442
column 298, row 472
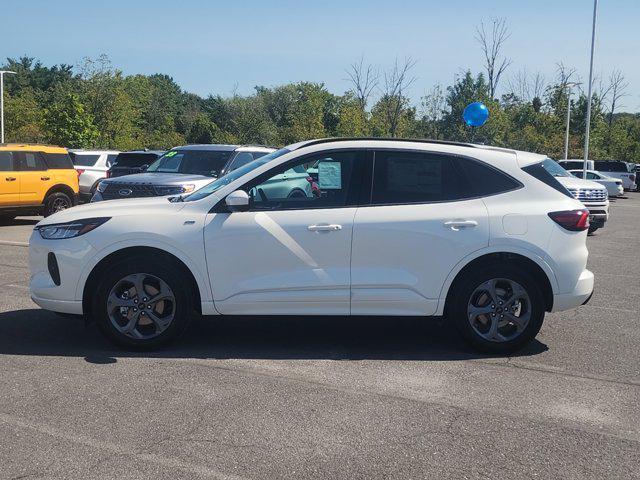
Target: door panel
column 291, row 253
column 416, row 230
column 402, row 254
column 35, row 179
column 9, row 180
column 272, row 263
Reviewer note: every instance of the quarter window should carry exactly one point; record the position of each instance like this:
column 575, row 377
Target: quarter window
column 57, row 161
column 321, row 181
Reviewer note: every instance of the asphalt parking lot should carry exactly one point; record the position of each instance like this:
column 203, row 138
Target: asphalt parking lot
column 326, row 398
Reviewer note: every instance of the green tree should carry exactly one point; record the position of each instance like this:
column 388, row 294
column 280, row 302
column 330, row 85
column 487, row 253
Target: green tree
column 67, row 121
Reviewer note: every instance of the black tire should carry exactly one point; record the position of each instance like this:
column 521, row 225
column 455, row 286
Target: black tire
column 463, row 289
column 171, row 274
column 592, row 230
column 56, row 202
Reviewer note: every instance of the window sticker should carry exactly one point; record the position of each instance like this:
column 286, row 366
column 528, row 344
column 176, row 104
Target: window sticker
column 171, row 154
column 329, row 175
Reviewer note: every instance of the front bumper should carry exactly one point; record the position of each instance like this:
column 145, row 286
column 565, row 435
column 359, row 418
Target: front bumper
column 72, row 256
column 580, row 294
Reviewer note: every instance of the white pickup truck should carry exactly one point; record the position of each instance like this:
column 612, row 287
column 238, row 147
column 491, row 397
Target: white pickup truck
column 592, row 195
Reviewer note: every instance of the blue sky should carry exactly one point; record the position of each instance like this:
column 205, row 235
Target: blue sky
column 212, row 46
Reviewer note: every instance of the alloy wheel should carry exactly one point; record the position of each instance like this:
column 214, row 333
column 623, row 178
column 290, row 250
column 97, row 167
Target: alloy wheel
column 141, row 306
column 499, row 310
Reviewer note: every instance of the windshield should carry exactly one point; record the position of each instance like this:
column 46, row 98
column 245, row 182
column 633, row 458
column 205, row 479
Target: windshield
column 134, row 159
column 554, row 169
column 234, row 175
column 197, row 162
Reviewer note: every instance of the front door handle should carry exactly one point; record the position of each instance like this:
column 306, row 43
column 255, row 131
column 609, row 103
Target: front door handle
column 10, row 179
column 45, row 178
column 456, row 225
column 324, row 228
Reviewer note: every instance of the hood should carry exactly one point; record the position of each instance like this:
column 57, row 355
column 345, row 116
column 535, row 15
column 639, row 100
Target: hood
column 574, row 182
column 114, row 208
column 156, row 178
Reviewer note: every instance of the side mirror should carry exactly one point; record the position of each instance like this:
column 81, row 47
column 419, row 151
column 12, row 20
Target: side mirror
column 237, row 201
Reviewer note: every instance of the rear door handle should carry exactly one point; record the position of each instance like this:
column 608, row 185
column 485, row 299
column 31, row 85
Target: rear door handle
column 456, row 225
column 324, row 228
column 10, row 179
column 45, row 178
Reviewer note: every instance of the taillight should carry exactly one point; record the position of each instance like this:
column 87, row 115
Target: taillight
column 573, row 220
column 79, row 171
column 632, row 177
column 108, row 175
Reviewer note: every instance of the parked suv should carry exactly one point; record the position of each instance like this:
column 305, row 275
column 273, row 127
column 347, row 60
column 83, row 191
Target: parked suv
column 617, row 169
column 135, row 161
column 180, row 170
column 483, row 236
column 92, row 166
column 35, row 179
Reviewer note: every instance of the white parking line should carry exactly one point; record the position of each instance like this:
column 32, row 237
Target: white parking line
column 15, row 244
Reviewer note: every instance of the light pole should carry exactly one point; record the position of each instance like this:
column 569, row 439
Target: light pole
column 593, row 46
column 2, row 72
column 566, row 134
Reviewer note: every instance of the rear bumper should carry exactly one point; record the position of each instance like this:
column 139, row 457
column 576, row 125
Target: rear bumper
column 579, row 296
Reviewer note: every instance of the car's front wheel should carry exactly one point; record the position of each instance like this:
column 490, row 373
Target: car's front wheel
column 497, row 309
column 143, row 304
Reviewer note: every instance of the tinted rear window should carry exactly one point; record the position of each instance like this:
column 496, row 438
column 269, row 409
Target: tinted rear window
column 58, row 160
column 542, row 171
column 135, row 159
column 608, row 166
column 84, row 159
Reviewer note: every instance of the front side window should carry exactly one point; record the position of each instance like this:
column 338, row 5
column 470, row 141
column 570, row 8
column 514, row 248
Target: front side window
column 6, row 162
column 111, row 158
column 412, row 177
column 326, row 180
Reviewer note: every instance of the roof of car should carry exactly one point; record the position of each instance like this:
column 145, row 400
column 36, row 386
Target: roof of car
column 154, row 152
column 223, row 147
column 31, row 147
column 91, row 151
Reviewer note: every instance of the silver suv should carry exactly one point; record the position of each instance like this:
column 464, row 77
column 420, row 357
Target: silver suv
column 180, row 170
column 92, row 166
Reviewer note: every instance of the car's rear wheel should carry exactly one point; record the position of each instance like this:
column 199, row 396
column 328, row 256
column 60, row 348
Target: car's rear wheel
column 497, row 309
column 57, row 202
column 143, row 304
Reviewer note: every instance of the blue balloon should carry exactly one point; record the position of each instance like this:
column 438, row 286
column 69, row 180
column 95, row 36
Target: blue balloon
column 476, row 114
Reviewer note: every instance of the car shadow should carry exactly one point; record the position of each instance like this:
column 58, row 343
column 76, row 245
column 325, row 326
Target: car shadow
column 38, row 332
column 19, row 221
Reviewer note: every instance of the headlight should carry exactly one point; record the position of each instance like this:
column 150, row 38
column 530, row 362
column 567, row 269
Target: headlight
column 163, row 190
column 188, row 188
column 58, row 231
column 102, row 186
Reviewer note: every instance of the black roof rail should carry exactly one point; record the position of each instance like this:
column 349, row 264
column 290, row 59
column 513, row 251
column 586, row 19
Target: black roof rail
column 419, row 140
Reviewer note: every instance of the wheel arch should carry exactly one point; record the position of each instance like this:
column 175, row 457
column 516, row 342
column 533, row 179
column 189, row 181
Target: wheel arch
column 121, row 254
column 533, row 264
column 60, row 188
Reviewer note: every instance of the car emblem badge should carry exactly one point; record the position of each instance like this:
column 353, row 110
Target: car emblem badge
column 125, row 192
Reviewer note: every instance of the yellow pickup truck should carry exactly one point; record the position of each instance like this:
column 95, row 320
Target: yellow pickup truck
column 35, row 180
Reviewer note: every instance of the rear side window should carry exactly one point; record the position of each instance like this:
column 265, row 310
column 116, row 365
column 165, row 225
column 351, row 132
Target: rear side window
column 410, row 177
column 58, row 161
column 538, row 170
column 6, row 162
column 30, row 161
column 484, row 179
column 84, row 159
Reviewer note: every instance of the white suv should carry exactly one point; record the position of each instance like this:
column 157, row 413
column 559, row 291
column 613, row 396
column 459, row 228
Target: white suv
column 484, row 236
column 92, row 166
